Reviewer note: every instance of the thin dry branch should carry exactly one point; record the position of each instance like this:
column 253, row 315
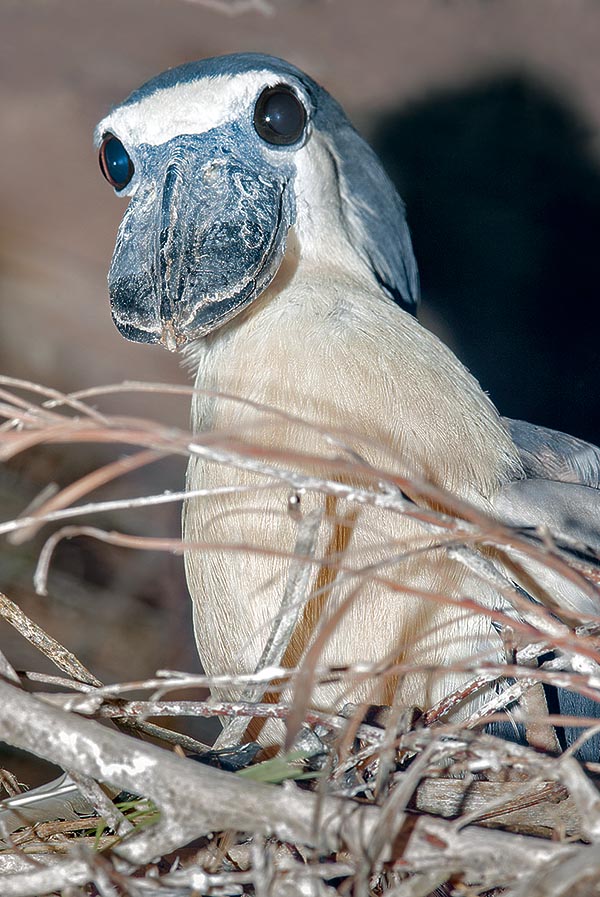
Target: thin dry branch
column 377, row 849
column 195, row 800
column 236, row 7
column 295, row 599
column 63, row 658
column 81, row 487
column 581, row 644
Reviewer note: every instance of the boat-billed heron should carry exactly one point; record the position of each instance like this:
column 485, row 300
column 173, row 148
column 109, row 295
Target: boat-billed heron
column 264, row 240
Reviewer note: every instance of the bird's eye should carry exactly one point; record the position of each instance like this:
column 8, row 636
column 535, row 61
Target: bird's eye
column 279, row 116
column 115, row 163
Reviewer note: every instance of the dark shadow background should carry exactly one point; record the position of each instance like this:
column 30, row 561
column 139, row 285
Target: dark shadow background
column 503, row 199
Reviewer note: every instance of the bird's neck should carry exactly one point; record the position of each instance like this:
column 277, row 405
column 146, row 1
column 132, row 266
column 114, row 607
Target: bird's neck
column 328, row 346
column 309, row 295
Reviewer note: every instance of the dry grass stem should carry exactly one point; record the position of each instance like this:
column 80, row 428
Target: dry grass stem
column 236, row 7
column 368, row 802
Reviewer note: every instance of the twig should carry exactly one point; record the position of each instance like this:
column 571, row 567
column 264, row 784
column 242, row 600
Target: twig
column 105, row 808
column 193, row 799
column 293, row 603
column 81, row 487
column 53, row 650
column 59, row 398
column 236, row 7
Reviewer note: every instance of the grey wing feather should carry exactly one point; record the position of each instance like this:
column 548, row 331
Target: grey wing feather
column 375, row 218
column 566, row 508
column 561, row 492
column 549, row 454
column 561, row 485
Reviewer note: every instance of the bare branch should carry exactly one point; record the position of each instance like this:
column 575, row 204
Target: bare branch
column 294, row 600
column 236, row 7
column 52, row 649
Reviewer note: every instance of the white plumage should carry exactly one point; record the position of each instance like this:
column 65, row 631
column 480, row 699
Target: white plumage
column 337, row 352
column 264, row 238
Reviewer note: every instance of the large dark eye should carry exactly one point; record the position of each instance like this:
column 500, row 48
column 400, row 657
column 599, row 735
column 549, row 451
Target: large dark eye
column 115, row 164
column 279, row 116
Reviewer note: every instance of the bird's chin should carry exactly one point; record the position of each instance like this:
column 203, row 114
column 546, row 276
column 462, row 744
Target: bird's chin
column 168, row 338
column 138, row 315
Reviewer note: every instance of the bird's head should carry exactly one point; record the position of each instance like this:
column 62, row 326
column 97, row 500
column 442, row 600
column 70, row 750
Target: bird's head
column 220, row 159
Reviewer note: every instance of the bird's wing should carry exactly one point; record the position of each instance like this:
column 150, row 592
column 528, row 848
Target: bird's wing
column 561, row 485
column 565, row 508
column 375, row 218
column 561, row 491
column 551, row 455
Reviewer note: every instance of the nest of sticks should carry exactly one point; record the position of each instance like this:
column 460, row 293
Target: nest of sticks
column 370, row 801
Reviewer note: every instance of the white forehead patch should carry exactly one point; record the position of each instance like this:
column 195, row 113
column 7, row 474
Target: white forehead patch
column 188, row 108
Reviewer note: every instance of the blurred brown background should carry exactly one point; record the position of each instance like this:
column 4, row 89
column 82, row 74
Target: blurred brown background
column 486, row 113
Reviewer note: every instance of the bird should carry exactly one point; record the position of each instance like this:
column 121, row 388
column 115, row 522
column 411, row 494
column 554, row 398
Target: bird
column 264, row 241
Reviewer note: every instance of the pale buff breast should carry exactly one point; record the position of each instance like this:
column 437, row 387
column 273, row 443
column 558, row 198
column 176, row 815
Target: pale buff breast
column 348, row 360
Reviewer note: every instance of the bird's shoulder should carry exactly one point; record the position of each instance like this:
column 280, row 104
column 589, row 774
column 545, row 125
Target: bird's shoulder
column 560, row 489
column 552, row 455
